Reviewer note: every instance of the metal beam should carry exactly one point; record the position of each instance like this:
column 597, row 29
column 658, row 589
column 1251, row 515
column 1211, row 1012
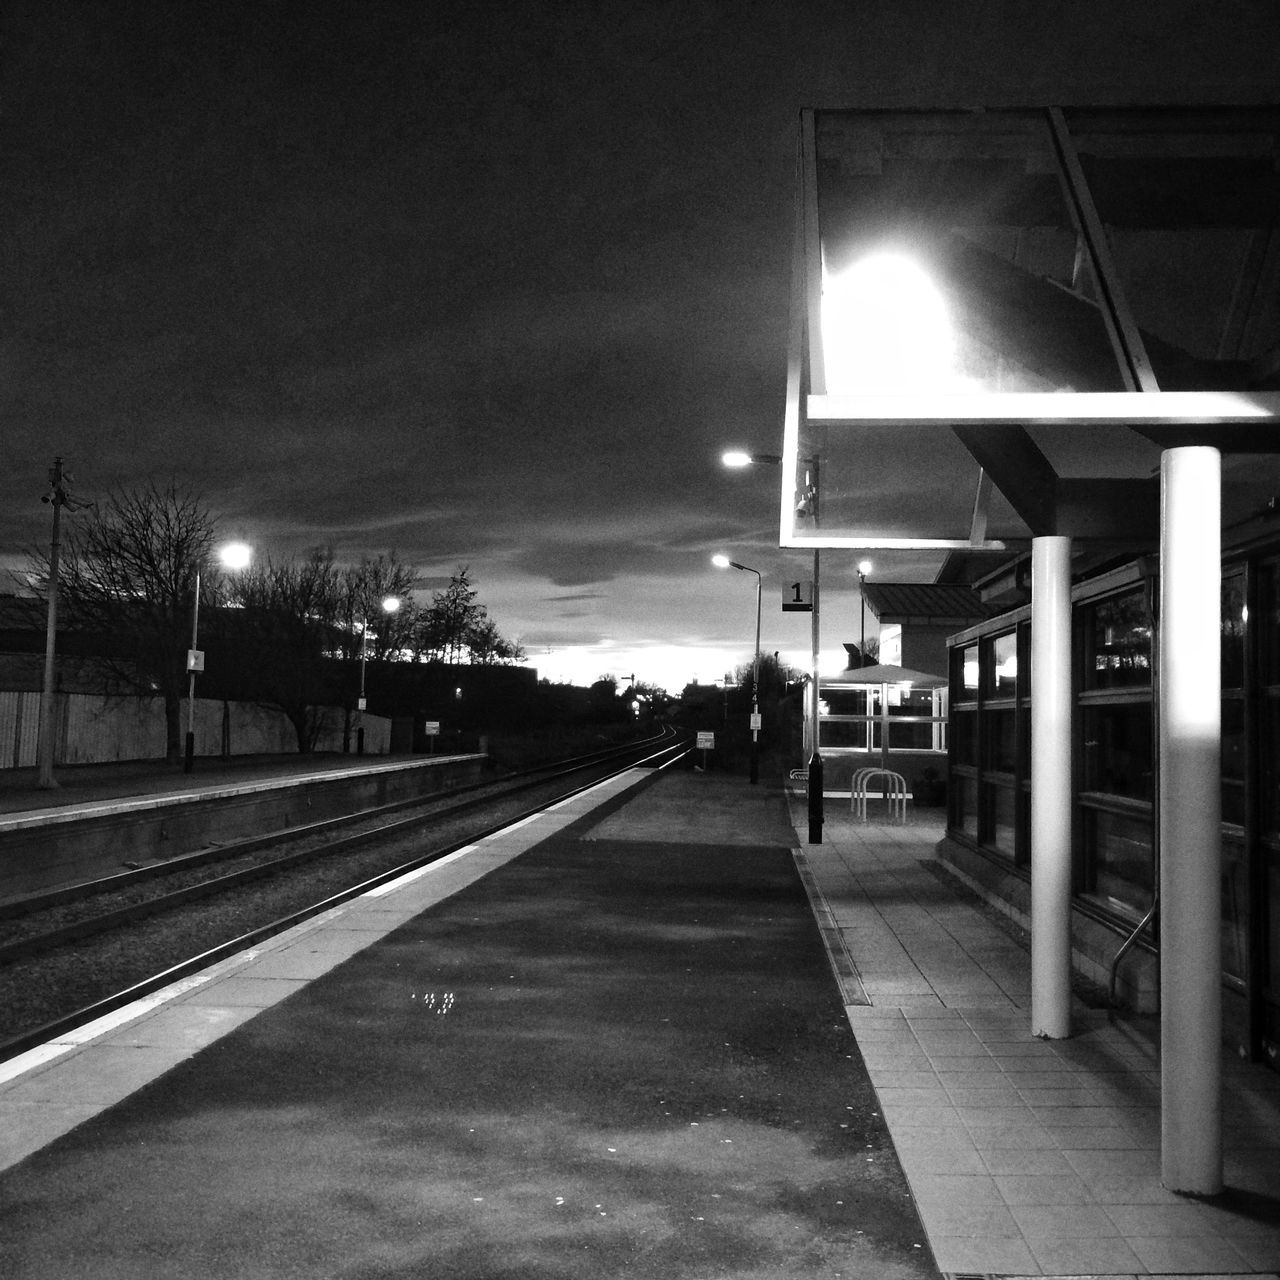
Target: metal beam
column 1018, row 469
column 1186, row 410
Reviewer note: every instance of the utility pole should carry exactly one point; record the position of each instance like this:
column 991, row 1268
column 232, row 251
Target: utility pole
column 57, row 498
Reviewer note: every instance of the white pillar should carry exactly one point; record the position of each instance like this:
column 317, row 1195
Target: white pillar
column 1051, row 787
column 1190, row 802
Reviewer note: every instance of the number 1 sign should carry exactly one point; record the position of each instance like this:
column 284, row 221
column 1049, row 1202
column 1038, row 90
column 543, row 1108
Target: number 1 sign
column 797, row 597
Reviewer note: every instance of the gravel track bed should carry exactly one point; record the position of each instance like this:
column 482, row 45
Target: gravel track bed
column 57, row 983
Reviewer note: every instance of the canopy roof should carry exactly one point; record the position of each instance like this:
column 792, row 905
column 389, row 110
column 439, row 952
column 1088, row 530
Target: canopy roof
column 884, row 673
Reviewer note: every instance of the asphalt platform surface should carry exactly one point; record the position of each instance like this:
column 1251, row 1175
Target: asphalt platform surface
column 622, row 1054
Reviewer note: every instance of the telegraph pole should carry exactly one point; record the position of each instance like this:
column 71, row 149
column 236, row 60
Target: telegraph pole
column 57, row 499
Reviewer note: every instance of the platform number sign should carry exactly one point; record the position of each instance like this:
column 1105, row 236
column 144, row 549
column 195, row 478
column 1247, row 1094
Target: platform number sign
column 797, row 597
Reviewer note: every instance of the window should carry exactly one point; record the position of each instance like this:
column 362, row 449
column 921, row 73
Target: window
column 1118, row 858
column 1117, row 752
column 1118, row 643
column 990, row 721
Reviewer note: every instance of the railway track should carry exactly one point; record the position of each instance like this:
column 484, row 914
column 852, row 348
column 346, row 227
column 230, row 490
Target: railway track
column 73, row 955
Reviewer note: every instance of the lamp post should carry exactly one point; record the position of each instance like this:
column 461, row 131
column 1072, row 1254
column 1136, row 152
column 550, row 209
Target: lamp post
column 738, row 458
column 864, row 568
column 723, row 562
column 390, row 604
column 235, row 555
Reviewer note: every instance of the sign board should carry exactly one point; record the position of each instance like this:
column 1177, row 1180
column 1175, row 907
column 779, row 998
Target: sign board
column 195, row 659
column 706, row 740
column 431, row 728
column 797, row 597
column 755, row 721
column 362, row 703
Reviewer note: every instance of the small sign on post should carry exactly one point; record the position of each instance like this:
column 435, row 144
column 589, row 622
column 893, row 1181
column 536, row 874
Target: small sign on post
column 432, row 730
column 797, row 597
column 195, row 659
column 706, row 742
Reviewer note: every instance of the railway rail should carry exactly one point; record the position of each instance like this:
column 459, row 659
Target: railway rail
column 75, row 954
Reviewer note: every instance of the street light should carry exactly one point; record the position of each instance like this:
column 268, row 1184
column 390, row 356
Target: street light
column 738, row 458
column 233, row 556
column 864, row 568
column 390, row 604
column 723, row 562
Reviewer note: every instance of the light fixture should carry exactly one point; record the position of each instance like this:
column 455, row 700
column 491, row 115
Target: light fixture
column 233, row 556
column 885, row 328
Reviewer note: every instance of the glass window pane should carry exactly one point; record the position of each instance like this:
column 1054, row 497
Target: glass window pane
column 844, row 702
column 1118, row 750
column 1000, row 729
column 965, row 791
column 1118, row 640
column 1233, row 760
column 843, row 733
column 1004, row 666
column 1189, row 200
column 1235, row 909
column 1269, row 623
column 950, row 257
column 1001, row 816
column 910, row 737
column 1269, row 774
column 1272, row 928
column 964, row 736
column 950, row 264
column 1234, row 617
column 1118, row 858
column 969, row 668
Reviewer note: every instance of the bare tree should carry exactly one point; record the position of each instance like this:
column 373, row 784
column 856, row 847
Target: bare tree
column 291, row 627
column 127, row 577
column 364, row 589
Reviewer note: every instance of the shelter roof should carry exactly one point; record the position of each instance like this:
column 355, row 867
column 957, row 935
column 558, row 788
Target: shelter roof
column 925, row 603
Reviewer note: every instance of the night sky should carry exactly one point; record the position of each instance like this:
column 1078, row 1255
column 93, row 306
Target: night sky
column 482, row 284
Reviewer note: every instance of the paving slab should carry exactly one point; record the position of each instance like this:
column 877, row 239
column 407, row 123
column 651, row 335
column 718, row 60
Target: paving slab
column 1026, row 1157
column 621, row 1055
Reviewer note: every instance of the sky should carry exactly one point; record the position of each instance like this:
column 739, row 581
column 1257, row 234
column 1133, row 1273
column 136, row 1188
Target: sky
column 483, row 284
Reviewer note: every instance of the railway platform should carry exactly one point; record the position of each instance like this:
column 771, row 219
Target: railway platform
column 107, row 817
column 611, row 1041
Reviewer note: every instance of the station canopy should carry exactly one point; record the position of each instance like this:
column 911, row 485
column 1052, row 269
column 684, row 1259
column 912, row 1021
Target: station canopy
column 1000, row 319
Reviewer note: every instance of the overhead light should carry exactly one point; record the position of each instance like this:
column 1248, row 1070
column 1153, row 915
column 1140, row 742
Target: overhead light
column 885, row 328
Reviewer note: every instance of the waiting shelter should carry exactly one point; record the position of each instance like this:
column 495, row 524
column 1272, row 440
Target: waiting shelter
column 1054, row 333
column 884, row 717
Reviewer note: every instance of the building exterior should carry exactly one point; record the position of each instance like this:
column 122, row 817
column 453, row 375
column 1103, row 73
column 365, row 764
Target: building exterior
column 915, row 619
column 900, row 726
column 1053, row 332
column 1115, row 925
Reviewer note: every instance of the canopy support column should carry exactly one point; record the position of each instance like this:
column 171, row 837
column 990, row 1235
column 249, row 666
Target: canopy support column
column 1051, row 787
column 1189, row 715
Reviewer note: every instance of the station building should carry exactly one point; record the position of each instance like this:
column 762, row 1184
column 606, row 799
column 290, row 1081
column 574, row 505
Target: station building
column 1115, row 926
column 1049, row 338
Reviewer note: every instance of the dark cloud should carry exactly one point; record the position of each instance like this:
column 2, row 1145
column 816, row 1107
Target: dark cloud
column 485, row 284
